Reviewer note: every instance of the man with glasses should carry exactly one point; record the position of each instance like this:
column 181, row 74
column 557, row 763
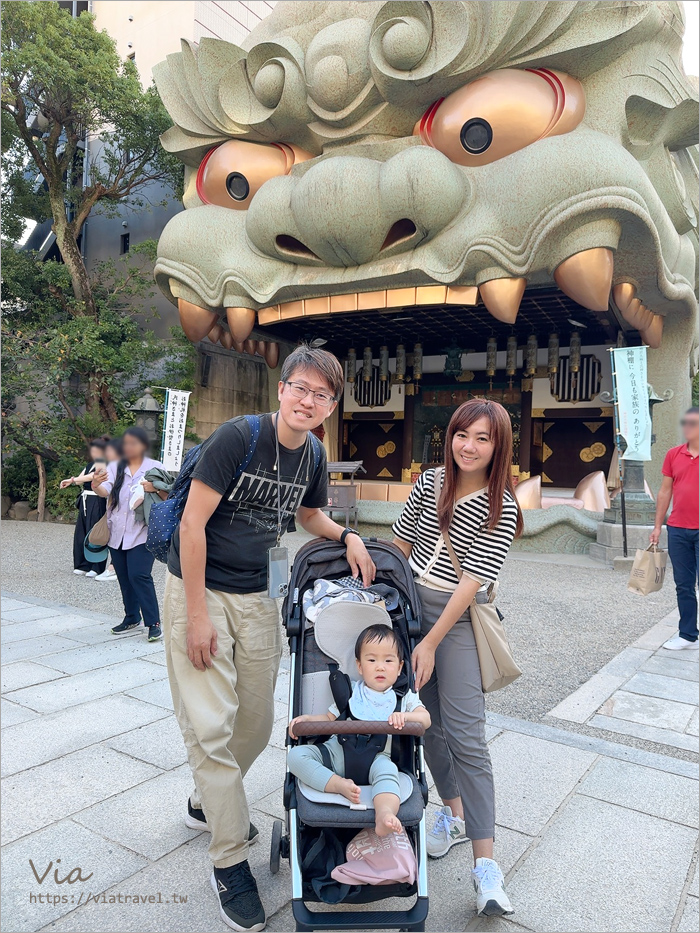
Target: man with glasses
column 222, row 634
column 680, row 483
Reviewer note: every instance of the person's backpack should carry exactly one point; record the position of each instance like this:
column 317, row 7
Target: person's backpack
column 165, row 516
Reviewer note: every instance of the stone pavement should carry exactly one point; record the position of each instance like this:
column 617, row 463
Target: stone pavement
column 593, row 835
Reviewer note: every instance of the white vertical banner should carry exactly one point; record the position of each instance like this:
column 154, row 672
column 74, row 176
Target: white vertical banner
column 174, row 428
column 632, row 400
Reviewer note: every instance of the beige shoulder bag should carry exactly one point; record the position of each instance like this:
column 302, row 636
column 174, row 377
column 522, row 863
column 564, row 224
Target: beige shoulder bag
column 498, row 667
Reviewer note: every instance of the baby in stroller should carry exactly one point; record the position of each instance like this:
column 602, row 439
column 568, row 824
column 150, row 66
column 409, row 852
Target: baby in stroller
column 340, row 764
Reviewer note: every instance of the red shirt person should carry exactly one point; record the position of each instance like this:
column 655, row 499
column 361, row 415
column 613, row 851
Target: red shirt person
column 680, row 483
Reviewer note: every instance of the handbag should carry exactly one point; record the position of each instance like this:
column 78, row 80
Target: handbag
column 648, row 571
column 498, row 667
column 99, row 533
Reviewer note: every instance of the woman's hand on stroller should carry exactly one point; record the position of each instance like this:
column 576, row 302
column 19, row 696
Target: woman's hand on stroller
column 423, row 661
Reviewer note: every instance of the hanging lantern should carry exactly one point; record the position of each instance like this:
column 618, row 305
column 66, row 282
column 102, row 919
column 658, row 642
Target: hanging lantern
column 400, row 363
column 531, row 356
column 512, row 355
column 575, row 352
column 553, row 354
column 418, row 361
column 491, row 356
column 367, row 364
column 352, row 365
column 383, row 364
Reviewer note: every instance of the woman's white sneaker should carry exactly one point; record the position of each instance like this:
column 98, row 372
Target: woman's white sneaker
column 447, row 831
column 491, row 897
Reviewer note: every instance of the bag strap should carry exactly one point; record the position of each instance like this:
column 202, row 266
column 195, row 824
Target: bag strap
column 446, row 538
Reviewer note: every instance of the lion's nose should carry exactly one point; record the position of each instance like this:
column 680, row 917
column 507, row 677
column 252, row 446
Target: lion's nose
column 347, row 211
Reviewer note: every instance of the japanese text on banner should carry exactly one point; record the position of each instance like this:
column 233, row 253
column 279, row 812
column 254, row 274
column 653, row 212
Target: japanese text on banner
column 174, row 428
column 630, row 365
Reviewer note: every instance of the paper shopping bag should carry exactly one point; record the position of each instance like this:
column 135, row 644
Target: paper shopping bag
column 648, row 571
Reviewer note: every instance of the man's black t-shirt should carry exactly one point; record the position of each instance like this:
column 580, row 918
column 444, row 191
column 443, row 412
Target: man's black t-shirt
column 244, row 524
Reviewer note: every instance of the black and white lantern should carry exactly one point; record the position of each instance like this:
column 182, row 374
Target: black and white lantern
column 531, row 355
column 352, row 365
column 400, row 363
column 383, row 363
column 491, row 356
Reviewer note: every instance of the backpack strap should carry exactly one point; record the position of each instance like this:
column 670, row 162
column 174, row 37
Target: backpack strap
column 341, row 688
column 317, row 447
column 254, row 425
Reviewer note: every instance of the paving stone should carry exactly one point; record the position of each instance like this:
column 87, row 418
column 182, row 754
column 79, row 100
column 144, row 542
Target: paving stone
column 160, row 743
column 184, row 872
column 532, row 778
column 7, row 605
column 690, row 921
column 266, row 775
column 28, row 614
column 670, row 667
column 692, row 727
column 687, row 656
column 272, row 804
column 147, row 818
column 666, row 688
column 642, row 731
column 499, row 925
column 75, row 846
column 43, row 738
column 587, row 699
column 117, row 678
column 12, row 715
column 658, row 793
column 282, row 687
column 157, row 659
column 279, row 733
column 101, row 632
column 663, row 714
column 51, row 624
column 156, row 692
column 33, row 648
column 694, row 888
column 571, row 861
column 35, row 798
column 25, row 674
column 92, row 657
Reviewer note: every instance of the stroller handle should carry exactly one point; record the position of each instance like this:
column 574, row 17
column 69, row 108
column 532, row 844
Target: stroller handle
column 356, row 727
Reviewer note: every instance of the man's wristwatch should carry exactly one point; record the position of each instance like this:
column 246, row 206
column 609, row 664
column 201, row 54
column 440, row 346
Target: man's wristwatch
column 346, row 532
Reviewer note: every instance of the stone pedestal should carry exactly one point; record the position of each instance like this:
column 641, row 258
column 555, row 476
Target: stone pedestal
column 608, row 545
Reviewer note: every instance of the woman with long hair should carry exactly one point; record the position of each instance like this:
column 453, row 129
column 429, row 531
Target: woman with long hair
column 131, row 560
column 113, row 452
column 476, row 507
column 90, row 508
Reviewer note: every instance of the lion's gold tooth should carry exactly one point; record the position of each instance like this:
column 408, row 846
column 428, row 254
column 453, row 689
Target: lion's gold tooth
column 195, row 321
column 637, row 315
column 623, row 295
column 241, row 322
column 216, row 333
column 226, row 340
column 502, row 297
column 586, row 277
column 653, row 334
column 260, row 348
column 462, row 295
column 272, row 354
column 238, row 345
column 249, row 346
column 269, row 315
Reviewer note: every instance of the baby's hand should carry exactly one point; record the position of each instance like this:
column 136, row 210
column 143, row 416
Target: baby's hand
column 397, row 720
column 294, row 722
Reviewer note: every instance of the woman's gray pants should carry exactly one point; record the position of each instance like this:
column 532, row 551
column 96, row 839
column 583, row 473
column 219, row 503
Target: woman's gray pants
column 455, row 743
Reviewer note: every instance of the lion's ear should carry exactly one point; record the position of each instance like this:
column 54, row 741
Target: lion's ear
column 650, row 123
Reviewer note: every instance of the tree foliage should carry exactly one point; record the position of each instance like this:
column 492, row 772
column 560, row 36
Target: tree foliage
column 76, row 343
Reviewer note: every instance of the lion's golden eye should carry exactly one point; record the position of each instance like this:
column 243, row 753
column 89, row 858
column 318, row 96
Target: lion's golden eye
column 231, row 174
column 502, row 112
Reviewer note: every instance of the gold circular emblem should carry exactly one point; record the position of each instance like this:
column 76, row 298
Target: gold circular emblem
column 381, row 451
column 587, row 455
column 390, row 447
column 598, row 449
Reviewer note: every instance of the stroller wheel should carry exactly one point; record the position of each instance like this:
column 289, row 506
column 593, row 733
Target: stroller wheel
column 275, row 846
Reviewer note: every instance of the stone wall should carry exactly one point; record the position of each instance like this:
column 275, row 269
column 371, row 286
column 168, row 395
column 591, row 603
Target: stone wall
column 237, row 384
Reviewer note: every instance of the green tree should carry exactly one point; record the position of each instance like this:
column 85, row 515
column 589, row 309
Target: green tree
column 51, row 357
column 63, row 82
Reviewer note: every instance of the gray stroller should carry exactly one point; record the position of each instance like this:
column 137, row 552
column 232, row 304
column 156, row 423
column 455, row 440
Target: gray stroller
column 316, row 831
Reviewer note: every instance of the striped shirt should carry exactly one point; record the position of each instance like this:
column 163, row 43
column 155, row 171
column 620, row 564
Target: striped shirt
column 480, row 552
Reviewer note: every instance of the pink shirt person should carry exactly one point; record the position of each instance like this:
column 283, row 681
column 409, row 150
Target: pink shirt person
column 125, row 530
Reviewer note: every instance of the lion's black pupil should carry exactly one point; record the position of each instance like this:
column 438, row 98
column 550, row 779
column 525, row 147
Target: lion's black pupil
column 476, row 136
column 237, row 186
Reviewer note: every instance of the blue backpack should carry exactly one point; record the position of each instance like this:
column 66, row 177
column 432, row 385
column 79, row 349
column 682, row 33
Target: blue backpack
column 165, row 516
